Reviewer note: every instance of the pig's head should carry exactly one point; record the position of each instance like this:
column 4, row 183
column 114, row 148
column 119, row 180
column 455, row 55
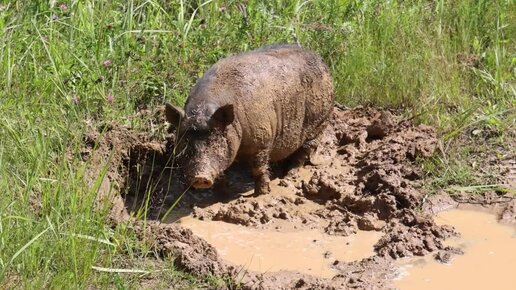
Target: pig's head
column 206, row 145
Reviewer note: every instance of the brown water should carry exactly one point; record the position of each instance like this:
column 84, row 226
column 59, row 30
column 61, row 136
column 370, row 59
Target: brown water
column 489, row 260
column 269, row 250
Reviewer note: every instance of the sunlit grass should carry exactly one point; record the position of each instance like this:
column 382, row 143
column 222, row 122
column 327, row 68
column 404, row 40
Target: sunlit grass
column 67, row 64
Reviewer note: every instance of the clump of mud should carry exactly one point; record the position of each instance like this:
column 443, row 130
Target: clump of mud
column 371, row 181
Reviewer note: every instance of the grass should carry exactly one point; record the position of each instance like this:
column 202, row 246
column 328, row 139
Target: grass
column 64, row 64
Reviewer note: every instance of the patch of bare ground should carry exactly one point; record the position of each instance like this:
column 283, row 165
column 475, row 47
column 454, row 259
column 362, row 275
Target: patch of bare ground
column 370, row 182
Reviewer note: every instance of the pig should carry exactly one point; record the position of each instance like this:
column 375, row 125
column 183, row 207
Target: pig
column 260, row 106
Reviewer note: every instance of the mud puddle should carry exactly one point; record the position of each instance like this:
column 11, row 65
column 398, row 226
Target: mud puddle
column 488, row 261
column 309, row 251
column 370, row 188
column 284, row 243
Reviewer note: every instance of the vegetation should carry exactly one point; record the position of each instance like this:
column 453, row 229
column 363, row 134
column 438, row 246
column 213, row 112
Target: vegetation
column 66, row 64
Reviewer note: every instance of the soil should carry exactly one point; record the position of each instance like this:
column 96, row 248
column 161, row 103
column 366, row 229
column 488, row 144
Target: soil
column 370, row 181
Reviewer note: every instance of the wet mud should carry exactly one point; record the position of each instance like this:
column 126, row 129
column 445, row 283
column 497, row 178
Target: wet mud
column 369, row 181
column 261, row 250
column 488, row 263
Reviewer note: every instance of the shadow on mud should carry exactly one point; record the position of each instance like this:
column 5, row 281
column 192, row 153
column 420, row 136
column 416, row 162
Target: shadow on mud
column 153, row 188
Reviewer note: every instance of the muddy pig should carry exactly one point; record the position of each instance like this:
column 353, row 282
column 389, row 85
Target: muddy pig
column 259, row 106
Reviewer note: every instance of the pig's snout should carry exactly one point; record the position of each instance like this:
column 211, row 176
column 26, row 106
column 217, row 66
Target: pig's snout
column 201, row 181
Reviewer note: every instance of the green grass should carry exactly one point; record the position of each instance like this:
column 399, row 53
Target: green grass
column 451, row 63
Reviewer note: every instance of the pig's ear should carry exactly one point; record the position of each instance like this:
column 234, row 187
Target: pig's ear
column 223, row 116
column 174, row 114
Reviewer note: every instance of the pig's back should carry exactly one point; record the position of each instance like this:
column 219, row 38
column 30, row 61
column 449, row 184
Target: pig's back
column 282, row 95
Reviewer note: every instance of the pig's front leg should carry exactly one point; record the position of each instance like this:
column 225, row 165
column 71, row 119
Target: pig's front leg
column 260, row 172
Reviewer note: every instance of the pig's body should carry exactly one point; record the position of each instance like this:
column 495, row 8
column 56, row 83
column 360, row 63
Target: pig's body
column 281, row 98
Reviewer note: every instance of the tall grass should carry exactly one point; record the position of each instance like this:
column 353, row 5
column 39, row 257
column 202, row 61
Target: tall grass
column 64, row 64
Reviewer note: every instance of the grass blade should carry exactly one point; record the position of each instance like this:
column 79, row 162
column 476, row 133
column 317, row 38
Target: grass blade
column 115, row 270
column 90, row 238
column 28, row 244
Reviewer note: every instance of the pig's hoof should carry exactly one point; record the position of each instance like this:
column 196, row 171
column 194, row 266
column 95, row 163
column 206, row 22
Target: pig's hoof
column 262, row 189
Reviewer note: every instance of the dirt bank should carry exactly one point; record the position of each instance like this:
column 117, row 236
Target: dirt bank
column 370, row 181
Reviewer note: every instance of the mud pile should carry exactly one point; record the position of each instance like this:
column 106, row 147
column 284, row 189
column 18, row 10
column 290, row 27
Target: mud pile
column 370, row 181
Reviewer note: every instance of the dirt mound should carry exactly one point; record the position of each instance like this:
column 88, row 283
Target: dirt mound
column 192, row 253
column 370, row 181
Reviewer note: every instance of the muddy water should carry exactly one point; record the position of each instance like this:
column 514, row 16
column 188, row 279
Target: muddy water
column 307, row 251
column 488, row 263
